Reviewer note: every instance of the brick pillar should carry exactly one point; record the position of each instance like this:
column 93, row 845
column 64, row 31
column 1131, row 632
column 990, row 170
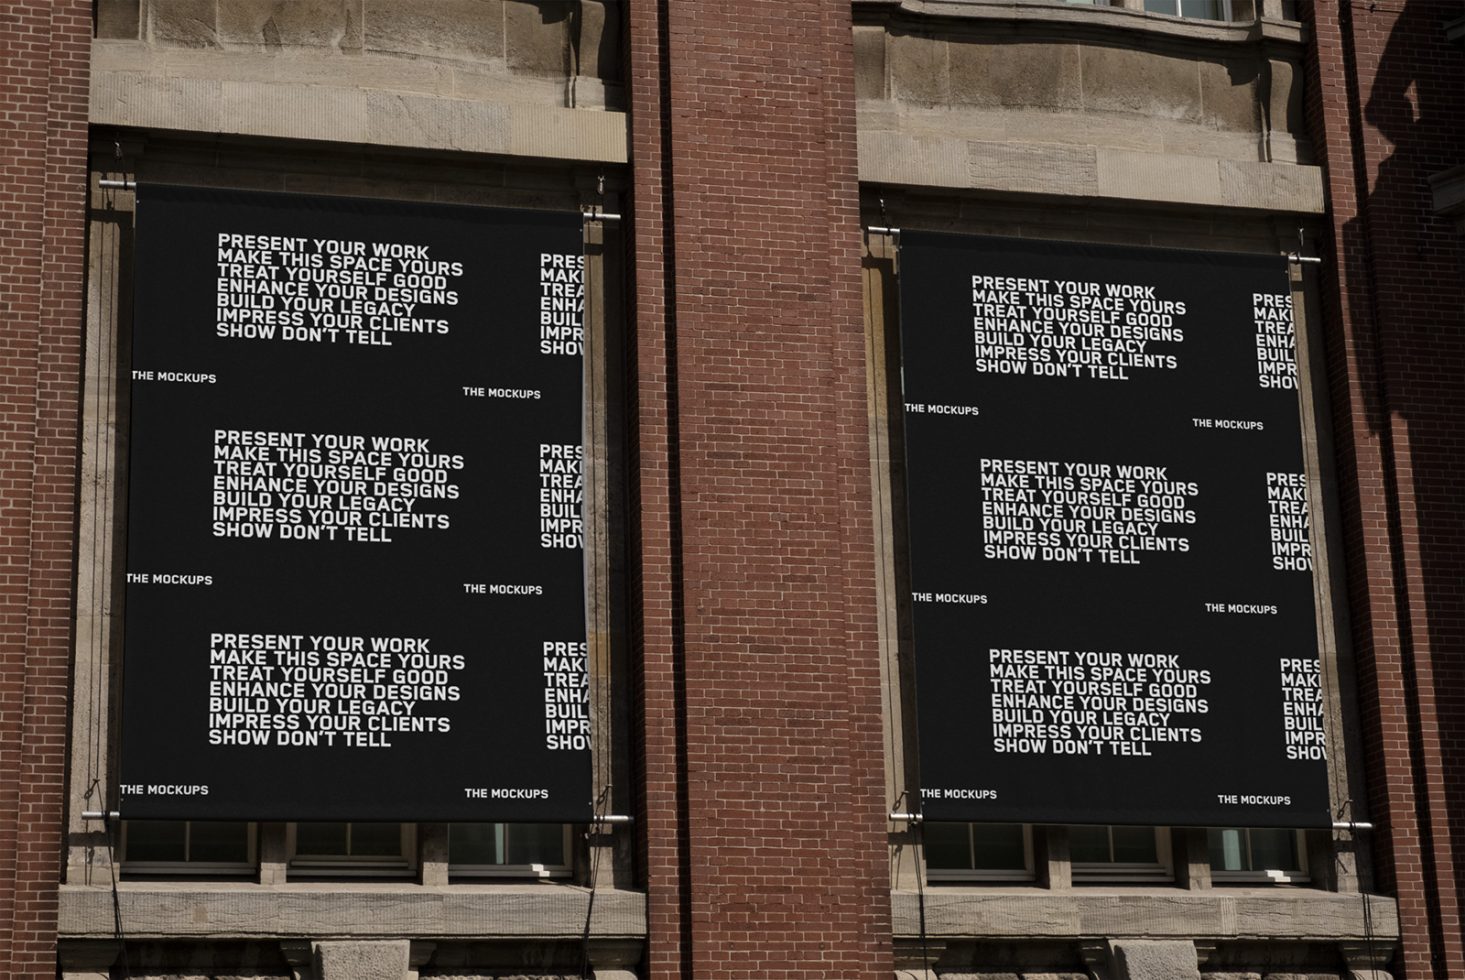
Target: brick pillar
column 1386, row 109
column 44, row 59
column 762, row 821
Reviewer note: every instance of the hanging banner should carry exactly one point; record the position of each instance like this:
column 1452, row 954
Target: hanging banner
column 355, row 584
column 1113, row 594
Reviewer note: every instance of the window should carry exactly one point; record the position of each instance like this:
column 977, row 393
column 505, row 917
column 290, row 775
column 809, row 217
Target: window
column 385, row 849
column 1120, row 853
column 187, row 847
column 1242, row 855
column 1197, row 9
column 978, row 851
column 508, row 850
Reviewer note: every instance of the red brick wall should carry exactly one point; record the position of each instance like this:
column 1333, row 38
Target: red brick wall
column 762, row 825
column 1386, row 104
column 44, row 60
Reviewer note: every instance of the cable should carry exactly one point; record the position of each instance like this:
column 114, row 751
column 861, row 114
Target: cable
column 109, row 830
column 1369, row 946
column 599, row 813
column 918, row 835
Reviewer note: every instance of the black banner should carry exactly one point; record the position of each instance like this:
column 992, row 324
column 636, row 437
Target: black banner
column 355, row 582
column 1113, row 597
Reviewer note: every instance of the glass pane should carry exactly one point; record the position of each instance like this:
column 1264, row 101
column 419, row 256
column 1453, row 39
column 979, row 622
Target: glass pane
column 948, row 845
column 1273, row 849
column 998, row 847
column 1161, row 7
column 475, row 843
column 1089, row 845
column 1203, row 9
column 157, row 840
column 316, row 839
column 218, row 842
column 536, row 843
column 376, row 840
column 1135, row 845
column 1226, row 850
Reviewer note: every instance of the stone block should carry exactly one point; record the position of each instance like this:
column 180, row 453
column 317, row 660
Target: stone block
column 537, row 36
column 1286, row 98
column 1017, row 75
column 362, row 960
column 1145, row 82
column 1229, row 94
column 869, row 62
column 1272, row 186
column 395, row 119
column 600, row 40
column 1035, row 168
column 189, row 23
column 118, row 19
column 285, row 111
column 297, row 23
column 457, row 30
column 919, row 69
column 1159, row 177
column 1141, row 959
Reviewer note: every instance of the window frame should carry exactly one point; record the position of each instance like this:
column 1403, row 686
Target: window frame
column 1028, row 873
column 1228, row 11
column 353, row 866
column 1162, row 871
column 533, row 870
column 1301, row 875
column 188, row 867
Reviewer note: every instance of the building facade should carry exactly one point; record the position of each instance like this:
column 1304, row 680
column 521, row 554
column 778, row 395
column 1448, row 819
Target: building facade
column 750, row 648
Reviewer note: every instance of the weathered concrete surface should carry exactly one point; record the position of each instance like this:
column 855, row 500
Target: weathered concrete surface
column 1151, row 914
column 508, row 77
column 1091, row 102
column 1126, row 18
column 387, row 103
column 538, row 37
column 339, row 910
column 933, row 160
column 345, row 960
column 1148, row 959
